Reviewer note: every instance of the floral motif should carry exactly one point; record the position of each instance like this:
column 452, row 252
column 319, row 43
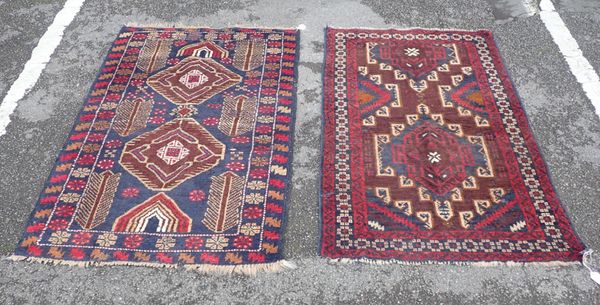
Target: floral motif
column 58, row 224
column 64, row 210
column 81, row 238
column 76, row 185
column 113, row 144
column 133, row 241
column 250, row 229
column 242, row 242
column 194, row 242
column 235, row 166
column 81, row 172
column 59, row 237
column 165, row 243
column 252, row 212
column 156, row 120
column 86, row 160
column 130, row 192
column 210, row 121
column 255, row 198
column 217, row 242
column 70, row 197
column 257, row 185
column 260, row 161
column 105, row 164
column 197, row 195
column 106, row 240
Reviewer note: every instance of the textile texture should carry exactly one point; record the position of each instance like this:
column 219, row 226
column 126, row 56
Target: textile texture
column 428, row 156
column 180, row 155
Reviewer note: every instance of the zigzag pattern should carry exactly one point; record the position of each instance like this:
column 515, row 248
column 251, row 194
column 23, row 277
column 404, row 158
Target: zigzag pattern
column 238, row 115
column 154, row 55
column 249, row 54
column 132, row 116
column 224, row 201
column 97, row 199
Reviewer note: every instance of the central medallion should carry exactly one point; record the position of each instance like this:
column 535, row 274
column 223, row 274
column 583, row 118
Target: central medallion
column 174, row 152
column 193, row 80
column 434, row 157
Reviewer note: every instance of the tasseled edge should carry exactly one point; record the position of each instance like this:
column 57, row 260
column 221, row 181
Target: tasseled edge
column 370, row 261
column 180, row 25
column 249, row 269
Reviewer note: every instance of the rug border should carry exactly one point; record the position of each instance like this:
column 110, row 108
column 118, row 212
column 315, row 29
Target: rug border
column 549, row 174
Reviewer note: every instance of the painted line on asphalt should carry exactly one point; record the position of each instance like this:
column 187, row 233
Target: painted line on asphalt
column 579, row 65
column 39, row 58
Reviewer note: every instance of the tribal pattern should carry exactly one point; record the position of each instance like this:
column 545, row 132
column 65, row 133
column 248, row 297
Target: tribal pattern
column 154, row 55
column 97, row 199
column 248, row 54
column 178, row 156
column 428, row 156
column 167, row 216
column 224, row 201
column 193, row 80
column 237, row 117
column 132, row 116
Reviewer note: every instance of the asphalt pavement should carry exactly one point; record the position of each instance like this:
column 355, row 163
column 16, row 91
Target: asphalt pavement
column 562, row 119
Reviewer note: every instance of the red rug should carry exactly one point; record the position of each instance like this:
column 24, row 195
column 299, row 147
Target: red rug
column 428, row 156
column 180, row 156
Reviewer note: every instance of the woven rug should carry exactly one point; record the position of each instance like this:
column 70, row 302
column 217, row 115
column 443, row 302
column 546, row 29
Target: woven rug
column 428, row 156
column 180, row 155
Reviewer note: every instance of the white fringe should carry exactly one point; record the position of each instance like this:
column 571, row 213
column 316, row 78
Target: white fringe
column 249, row 269
column 370, row 261
column 181, row 25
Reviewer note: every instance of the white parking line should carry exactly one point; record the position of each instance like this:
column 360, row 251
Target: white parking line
column 39, row 58
column 579, row 65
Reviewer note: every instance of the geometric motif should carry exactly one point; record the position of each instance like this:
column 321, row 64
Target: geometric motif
column 428, row 156
column 175, row 158
column 237, row 116
column 172, row 152
column 132, row 116
column 193, row 80
column 183, row 147
column 224, row 201
column 205, row 49
column 97, row 199
column 415, row 61
column 167, row 216
column 248, row 54
column 435, row 157
column 154, row 55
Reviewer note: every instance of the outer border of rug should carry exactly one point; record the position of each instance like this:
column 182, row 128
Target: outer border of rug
column 475, row 263
column 244, row 269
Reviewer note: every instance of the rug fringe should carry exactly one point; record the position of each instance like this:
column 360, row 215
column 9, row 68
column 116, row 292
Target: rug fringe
column 382, row 262
column 249, row 270
column 181, row 25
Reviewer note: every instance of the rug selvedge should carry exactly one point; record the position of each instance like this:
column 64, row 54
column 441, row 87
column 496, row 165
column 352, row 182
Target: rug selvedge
column 180, row 155
column 428, row 156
